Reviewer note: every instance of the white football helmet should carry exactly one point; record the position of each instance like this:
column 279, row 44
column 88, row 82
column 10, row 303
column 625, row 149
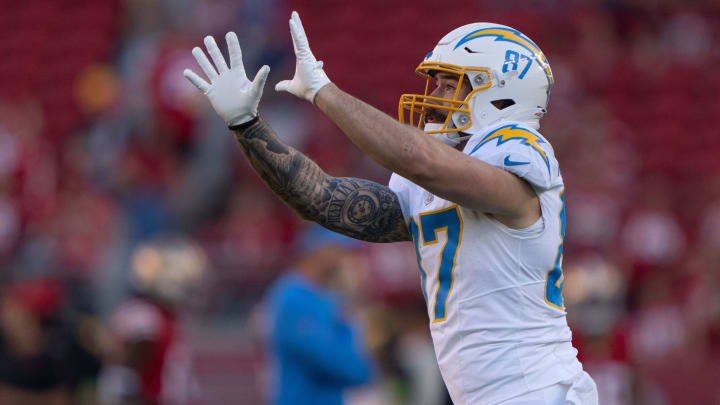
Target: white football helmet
column 509, row 75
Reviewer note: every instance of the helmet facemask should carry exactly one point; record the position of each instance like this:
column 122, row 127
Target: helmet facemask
column 509, row 75
column 458, row 115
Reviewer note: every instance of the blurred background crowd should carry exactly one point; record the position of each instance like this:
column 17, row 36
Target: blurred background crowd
column 131, row 228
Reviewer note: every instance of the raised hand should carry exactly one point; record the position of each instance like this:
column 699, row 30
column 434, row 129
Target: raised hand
column 233, row 96
column 309, row 76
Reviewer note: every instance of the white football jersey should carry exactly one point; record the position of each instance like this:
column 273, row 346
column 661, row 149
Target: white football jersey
column 494, row 293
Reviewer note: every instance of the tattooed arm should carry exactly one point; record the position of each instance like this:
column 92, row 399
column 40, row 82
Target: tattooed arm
column 355, row 207
column 359, row 208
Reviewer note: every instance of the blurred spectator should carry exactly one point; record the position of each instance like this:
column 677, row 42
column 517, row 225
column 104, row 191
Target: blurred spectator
column 316, row 351
column 151, row 365
column 45, row 359
column 652, row 236
column 406, row 354
column 656, row 328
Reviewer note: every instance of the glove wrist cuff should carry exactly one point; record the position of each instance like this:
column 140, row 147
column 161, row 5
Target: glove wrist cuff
column 313, row 97
column 244, row 125
column 242, row 118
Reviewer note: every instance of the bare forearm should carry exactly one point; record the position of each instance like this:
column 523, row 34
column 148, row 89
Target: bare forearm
column 358, row 208
column 397, row 147
column 425, row 161
column 407, row 151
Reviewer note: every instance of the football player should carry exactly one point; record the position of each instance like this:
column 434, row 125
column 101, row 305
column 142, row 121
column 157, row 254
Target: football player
column 481, row 198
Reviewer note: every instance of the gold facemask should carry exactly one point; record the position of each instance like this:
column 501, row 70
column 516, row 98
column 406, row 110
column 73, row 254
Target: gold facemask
column 417, row 104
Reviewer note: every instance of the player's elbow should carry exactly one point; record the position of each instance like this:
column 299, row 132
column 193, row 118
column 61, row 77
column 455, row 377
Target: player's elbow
column 306, row 214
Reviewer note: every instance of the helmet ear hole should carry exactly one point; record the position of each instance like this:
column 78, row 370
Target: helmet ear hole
column 503, row 104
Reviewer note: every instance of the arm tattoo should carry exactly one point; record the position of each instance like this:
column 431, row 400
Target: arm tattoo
column 359, row 208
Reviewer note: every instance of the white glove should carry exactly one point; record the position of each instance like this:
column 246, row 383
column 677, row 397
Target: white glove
column 230, row 92
column 309, row 76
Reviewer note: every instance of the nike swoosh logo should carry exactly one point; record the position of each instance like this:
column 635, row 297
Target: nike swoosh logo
column 509, row 162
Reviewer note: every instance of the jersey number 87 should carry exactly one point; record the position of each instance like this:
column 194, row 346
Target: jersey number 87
column 450, row 221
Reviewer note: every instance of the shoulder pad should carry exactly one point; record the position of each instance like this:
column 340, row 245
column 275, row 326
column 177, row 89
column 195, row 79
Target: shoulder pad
column 518, row 149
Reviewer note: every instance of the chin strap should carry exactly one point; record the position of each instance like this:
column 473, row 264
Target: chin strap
column 530, row 118
column 444, row 139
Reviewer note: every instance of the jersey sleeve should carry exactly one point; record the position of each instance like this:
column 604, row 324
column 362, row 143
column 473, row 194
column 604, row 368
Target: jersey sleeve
column 520, row 151
column 399, row 186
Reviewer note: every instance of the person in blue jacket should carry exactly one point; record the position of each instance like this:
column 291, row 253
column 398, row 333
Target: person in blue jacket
column 316, row 351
